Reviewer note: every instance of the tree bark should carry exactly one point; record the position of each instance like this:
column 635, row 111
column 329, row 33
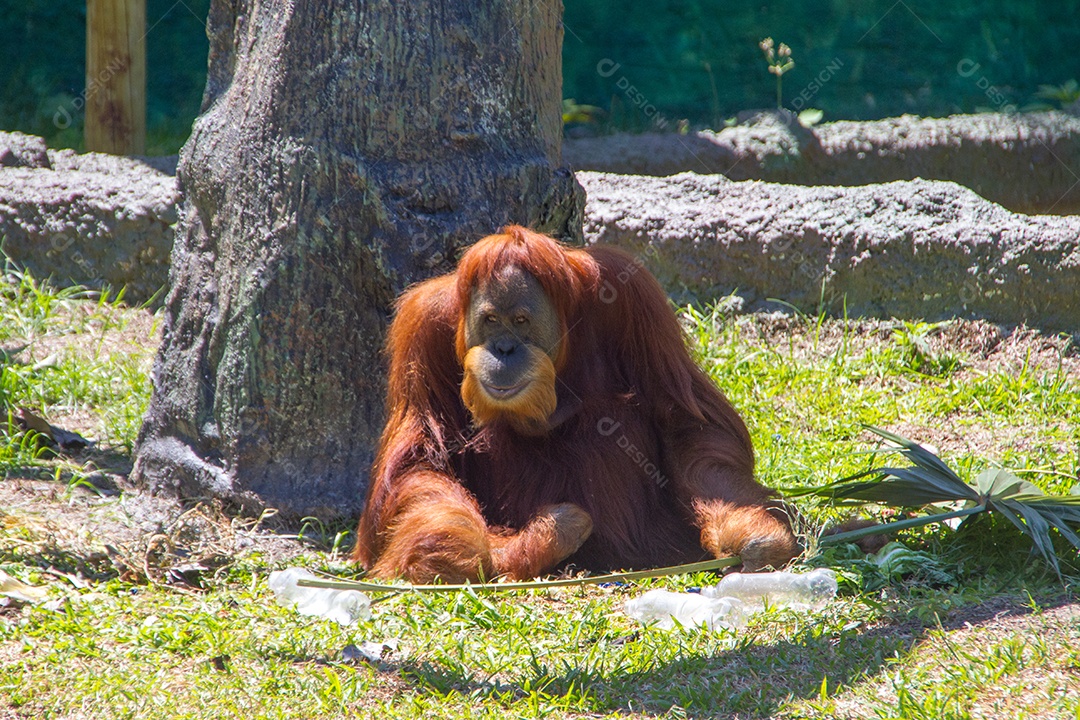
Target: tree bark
column 344, row 151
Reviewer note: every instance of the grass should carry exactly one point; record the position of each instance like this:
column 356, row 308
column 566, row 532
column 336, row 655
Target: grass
column 72, row 354
column 986, row 631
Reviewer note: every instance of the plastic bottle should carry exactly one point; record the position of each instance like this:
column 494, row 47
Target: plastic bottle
column 341, row 606
column 690, row 609
column 777, row 589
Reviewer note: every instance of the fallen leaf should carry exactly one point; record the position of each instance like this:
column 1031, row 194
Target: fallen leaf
column 64, row 439
column 18, row 590
column 369, row 651
column 49, row 362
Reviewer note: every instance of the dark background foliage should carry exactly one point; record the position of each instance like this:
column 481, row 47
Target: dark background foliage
column 662, row 61
column 889, row 57
column 43, row 69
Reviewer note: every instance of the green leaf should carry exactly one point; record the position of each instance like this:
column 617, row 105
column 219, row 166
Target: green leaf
column 902, row 487
column 916, row 453
column 1000, row 484
column 810, row 117
column 1005, row 510
column 1064, row 507
column 1064, row 529
column 1035, row 527
column 930, row 481
column 828, row 489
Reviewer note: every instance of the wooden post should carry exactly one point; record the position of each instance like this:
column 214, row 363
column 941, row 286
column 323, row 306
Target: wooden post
column 116, row 76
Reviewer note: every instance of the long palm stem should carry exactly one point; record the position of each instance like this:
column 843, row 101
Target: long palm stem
column 853, row 535
column 715, row 564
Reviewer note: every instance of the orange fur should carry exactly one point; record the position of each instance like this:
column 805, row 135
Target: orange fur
column 437, row 532
column 750, row 531
column 620, row 453
column 528, row 409
column 553, row 535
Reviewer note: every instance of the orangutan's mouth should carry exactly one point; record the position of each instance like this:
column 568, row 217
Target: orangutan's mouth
column 504, row 393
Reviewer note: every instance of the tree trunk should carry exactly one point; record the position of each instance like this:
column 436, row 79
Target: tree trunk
column 344, row 151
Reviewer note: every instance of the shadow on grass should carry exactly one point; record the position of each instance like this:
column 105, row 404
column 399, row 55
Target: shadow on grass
column 99, row 467
column 751, row 679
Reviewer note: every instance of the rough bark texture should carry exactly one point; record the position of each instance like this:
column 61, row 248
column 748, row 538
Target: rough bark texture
column 344, row 151
column 1028, row 163
column 90, row 219
column 914, row 249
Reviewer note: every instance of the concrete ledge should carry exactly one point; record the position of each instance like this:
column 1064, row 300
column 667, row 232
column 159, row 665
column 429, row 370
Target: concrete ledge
column 19, row 150
column 91, row 220
column 911, row 249
column 1026, row 162
column 914, row 249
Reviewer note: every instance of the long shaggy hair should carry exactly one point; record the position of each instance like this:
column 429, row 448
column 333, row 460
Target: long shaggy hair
column 644, row 453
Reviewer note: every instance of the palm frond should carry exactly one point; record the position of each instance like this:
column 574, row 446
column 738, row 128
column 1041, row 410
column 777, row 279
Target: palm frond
column 850, row 536
column 917, row 454
column 929, row 483
column 905, row 487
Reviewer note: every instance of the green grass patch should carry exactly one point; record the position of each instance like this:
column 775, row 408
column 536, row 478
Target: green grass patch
column 977, row 626
column 76, row 358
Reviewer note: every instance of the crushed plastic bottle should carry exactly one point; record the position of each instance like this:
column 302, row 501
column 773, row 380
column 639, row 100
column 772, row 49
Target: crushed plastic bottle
column 690, row 609
column 342, row 606
column 812, row 590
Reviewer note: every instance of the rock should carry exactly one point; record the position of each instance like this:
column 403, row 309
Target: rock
column 19, row 150
column 91, row 219
column 1026, row 162
column 911, row 249
column 71, row 161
